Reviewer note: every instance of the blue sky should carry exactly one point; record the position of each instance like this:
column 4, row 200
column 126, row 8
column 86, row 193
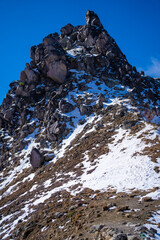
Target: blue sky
column 134, row 24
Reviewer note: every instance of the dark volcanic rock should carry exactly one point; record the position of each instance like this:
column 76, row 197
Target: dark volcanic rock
column 50, row 58
column 31, row 76
column 36, row 158
column 65, row 107
column 9, row 114
column 55, row 129
column 92, row 19
column 57, row 71
column 85, row 110
column 67, row 30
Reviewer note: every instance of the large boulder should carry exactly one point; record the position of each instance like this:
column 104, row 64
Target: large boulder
column 57, row 71
column 67, row 30
column 31, row 75
column 36, row 158
column 50, row 59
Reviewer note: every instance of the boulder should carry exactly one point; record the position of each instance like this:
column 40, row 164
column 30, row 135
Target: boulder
column 85, row 110
column 48, row 41
column 51, row 39
column 48, row 157
column 31, row 75
column 50, row 59
column 36, row 158
column 67, row 30
column 55, row 128
column 65, row 107
column 57, row 71
column 20, row 92
column 9, row 114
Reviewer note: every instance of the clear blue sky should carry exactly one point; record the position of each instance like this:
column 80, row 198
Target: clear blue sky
column 134, row 24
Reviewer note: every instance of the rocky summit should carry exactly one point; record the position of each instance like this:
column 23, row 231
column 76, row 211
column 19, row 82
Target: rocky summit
column 80, row 143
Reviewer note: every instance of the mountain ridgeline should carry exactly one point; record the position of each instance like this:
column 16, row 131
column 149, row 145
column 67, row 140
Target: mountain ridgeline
column 78, row 111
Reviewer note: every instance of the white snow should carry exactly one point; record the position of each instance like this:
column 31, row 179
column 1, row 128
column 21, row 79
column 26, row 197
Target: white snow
column 47, row 183
column 66, row 142
column 154, row 221
column 24, row 162
column 8, row 228
column 123, row 170
column 75, row 51
column 154, row 195
column 33, row 188
column 29, row 177
column 44, row 229
column 47, row 195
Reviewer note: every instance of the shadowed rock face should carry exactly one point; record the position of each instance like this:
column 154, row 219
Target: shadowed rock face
column 36, row 158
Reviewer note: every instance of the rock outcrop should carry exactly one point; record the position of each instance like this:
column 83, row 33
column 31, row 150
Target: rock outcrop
column 81, row 103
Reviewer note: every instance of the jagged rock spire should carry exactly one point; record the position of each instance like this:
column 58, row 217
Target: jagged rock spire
column 93, row 19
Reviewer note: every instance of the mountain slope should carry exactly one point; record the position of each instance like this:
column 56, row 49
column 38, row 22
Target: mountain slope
column 79, row 140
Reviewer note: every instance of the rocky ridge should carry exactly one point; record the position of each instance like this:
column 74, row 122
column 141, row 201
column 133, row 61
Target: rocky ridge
column 79, row 102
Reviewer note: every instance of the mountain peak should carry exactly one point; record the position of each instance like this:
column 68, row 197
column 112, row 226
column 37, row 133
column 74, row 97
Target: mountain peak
column 93, row 19
column 79, row 139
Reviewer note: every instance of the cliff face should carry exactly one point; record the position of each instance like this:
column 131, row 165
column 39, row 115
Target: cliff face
column 79, row 142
